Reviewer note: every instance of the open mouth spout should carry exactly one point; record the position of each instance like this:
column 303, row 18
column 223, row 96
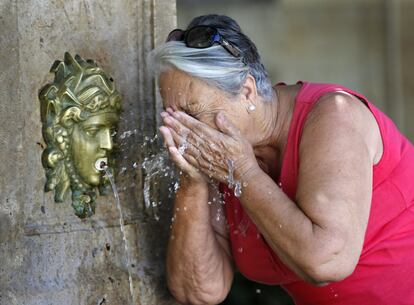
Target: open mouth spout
column 101, row 164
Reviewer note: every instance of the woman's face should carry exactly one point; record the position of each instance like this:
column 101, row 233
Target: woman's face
column 200, row 100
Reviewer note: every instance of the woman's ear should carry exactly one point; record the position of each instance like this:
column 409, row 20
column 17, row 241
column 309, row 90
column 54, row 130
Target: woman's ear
column 249, row 90
column 249, row 94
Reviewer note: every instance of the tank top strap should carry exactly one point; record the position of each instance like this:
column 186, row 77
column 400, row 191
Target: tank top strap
column 310, row 93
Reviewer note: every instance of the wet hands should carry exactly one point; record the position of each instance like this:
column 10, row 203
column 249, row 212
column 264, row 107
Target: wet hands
column 204, row 152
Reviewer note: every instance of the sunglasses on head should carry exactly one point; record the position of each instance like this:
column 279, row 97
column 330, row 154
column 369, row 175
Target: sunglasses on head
column 201, row 37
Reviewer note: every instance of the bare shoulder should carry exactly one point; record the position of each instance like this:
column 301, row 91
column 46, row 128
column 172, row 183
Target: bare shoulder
column 343, row 106
column 336, row 153
column 340, row 113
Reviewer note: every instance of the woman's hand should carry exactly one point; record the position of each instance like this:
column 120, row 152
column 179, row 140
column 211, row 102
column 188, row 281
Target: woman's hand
column 190, row 172
column 222, row 154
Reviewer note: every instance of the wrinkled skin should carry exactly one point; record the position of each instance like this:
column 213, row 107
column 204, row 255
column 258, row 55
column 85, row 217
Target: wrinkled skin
column 208, row 149
column 214, row 126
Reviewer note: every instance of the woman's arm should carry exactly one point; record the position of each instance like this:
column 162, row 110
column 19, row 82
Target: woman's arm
column 199, row 267
column 320, row 235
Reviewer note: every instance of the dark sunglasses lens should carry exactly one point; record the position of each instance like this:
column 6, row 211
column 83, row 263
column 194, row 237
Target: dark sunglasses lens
column 175, row 35
column 200, row 37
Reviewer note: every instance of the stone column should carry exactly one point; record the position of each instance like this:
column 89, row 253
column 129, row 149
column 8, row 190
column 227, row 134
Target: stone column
column 47, row 254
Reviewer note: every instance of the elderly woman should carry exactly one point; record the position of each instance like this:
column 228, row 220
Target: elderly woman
column 317, row 185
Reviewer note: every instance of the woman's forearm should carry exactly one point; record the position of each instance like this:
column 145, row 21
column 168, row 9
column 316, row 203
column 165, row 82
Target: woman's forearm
column 300, row 243
column 197, row 266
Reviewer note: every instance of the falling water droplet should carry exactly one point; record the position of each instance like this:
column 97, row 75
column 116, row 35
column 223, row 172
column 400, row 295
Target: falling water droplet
column 237, row 189
column 230, row 178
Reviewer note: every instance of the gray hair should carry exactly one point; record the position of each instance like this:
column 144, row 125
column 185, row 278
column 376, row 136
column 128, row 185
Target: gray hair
column 214, row 64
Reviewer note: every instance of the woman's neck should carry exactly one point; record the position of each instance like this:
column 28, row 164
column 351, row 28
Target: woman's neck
column 277, row 116
column 274, row 128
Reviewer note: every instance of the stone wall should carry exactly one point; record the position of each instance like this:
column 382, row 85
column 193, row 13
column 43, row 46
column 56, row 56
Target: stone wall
column 47, row 254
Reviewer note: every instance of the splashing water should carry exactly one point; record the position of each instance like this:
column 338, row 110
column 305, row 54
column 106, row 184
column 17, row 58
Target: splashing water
column 121, row 223
column 236, row 184
column 156, row 167
column 128, row 133
column 182, row 148
column 152, row 167
column 237, row 189
column 230, row 177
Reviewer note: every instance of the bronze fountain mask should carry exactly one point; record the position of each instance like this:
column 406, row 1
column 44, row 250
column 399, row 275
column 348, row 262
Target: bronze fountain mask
column 79, row 111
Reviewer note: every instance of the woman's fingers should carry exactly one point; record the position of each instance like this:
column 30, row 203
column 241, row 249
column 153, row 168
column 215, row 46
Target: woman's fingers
column 185, row 146
column 190, row 159
column 181, row 142
column 185, row 166
column 176, row 155
column 170, row 143
column 206, row 168
column 167, row 136
column 198, row 127
column 225, row 126
column 201, row 149
column 178, row 159
column 176, row 125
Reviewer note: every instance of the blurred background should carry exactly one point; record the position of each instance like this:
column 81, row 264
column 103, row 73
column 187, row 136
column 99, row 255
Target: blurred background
column 366, row 45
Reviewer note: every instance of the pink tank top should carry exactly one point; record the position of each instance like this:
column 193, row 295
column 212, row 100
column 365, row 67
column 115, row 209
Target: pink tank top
column 385, row 272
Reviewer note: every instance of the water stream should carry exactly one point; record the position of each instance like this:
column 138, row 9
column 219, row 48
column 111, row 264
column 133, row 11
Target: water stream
column 121, row 223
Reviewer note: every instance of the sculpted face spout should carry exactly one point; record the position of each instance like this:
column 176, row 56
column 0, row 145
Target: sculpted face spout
column 92, row 144
column 79, row 110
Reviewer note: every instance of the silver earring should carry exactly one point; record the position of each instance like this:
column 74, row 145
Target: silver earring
column 251, row 108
